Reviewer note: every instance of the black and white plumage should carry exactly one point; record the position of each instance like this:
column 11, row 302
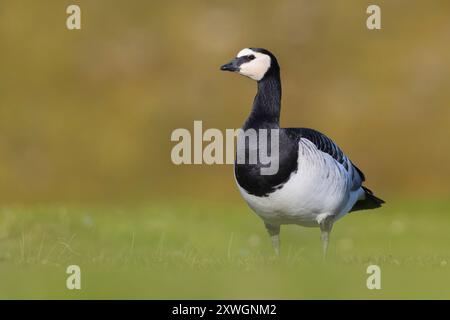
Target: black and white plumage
column 316, row 183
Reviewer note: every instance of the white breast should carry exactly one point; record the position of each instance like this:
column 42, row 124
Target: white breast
column 320, row 187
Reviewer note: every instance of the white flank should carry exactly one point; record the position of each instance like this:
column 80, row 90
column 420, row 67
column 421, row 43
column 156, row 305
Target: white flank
column 320, row 187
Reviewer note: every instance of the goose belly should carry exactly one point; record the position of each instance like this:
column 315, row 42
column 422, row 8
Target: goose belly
column 319, row 186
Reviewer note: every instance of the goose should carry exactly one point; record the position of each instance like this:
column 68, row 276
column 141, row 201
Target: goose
column 316, row 183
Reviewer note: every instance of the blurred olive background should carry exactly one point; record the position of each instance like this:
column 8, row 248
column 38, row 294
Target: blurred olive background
column 87, row 115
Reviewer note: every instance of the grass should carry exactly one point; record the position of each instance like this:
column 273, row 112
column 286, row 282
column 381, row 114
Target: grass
column 215, row 251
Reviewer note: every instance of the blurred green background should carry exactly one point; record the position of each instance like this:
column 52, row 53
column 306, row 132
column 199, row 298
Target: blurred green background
column 85, row 171
column 87, row 115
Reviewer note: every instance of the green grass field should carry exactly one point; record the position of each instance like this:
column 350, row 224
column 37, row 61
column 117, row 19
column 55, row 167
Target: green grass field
column 192, row 250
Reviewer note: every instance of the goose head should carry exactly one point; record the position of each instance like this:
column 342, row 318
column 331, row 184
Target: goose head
column 255, row 63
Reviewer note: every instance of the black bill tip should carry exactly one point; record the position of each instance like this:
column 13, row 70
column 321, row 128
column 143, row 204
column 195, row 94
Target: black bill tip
column 229, row 67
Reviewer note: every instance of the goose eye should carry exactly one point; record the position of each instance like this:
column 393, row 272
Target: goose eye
column 251, row 57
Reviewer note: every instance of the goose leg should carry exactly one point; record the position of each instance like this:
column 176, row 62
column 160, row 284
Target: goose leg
column 325, row 228
column 274, row 232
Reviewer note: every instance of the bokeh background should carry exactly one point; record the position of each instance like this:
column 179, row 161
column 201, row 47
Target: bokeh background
column 85, row 123
column 87, row 115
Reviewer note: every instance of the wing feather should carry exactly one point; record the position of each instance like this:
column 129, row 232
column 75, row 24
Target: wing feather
column 326, row 145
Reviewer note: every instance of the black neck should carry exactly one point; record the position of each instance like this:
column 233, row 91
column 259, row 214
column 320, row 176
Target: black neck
column 267, row 103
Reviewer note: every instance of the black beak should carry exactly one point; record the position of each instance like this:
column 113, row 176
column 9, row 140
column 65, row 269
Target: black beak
column 232, row 66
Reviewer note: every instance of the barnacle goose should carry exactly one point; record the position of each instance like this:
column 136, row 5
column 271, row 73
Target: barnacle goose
column 316, row 183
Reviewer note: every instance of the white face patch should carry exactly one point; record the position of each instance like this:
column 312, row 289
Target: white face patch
column 256, row 68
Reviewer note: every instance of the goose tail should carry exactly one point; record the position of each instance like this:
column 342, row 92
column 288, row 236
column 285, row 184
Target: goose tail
column 369, row 202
